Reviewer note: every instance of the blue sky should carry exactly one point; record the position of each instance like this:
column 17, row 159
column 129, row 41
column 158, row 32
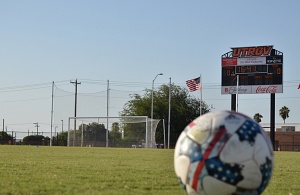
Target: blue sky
column 129, row 43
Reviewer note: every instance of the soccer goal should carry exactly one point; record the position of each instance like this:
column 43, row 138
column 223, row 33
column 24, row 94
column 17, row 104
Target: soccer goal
column 123, row 131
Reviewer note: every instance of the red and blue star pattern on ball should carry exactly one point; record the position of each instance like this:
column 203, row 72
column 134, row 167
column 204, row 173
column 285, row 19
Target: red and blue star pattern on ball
column 230, row 173
column 190, row 149
column 248, row 131
column 206, row 155
column 266, row 170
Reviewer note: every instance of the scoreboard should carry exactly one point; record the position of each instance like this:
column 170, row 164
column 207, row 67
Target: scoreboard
column 252, row 75
column 260, row 69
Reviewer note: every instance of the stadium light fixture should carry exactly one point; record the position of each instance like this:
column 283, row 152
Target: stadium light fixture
column 152, row 105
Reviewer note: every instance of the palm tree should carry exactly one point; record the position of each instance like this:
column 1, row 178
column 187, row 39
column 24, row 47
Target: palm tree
column 284, row 113
column 257, row 117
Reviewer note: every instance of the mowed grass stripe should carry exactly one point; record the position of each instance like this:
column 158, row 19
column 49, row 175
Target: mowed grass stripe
column 75, row 170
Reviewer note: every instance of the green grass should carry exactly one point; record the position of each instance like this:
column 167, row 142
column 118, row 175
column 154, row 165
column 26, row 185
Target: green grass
column 286, row 174
column 74, row 170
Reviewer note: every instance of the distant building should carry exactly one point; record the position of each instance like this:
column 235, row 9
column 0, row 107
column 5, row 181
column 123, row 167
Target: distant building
column 282, row 127
column 287, row 136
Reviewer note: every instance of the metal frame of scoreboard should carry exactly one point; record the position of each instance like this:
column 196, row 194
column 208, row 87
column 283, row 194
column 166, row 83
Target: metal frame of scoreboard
column 260, row 70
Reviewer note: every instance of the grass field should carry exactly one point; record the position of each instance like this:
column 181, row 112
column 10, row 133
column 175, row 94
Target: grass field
column 75, row 170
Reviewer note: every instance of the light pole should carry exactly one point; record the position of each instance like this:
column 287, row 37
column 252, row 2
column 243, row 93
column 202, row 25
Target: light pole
column 55, row 135
column 62, row 125
column 152, row 107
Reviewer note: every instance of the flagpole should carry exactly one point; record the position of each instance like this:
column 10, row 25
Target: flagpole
column 201, row 85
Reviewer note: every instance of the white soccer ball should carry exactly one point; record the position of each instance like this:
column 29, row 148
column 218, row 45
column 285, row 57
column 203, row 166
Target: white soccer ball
column 223, row 152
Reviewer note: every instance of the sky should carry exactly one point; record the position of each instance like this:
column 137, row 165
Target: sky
column 126, row 44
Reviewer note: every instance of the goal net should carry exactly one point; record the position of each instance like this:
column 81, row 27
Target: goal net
column 125, row 131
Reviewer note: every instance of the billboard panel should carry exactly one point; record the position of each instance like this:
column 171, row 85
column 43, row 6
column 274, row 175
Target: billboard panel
column 274, row 59
column 254, row 89
column 259, row 68
column 229, row 61
column 251, row 61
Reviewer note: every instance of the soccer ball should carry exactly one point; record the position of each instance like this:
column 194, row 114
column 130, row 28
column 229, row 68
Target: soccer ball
column 223, row 152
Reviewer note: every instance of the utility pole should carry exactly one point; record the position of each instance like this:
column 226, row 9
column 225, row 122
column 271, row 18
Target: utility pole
column 51, row 126
column 75, row 111
column 37, row 127
column 3, row 130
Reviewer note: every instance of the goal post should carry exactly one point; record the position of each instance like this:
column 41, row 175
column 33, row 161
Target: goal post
column 122, row 131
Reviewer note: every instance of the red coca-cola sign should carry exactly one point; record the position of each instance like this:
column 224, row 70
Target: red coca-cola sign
column 267, row 89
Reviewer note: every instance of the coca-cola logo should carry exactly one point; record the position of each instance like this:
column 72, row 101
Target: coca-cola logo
column 267, row 89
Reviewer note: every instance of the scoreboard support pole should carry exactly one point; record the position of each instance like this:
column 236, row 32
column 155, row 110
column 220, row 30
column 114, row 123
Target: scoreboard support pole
column 272, row 120
column 233, row 102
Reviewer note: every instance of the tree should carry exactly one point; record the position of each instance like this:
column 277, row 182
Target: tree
column 115, row 135
column 36, row 140
column 284, row 113
column 184, row 109
column 257, row 117
column 61, row 139
column 95, row 133
column 5, row 138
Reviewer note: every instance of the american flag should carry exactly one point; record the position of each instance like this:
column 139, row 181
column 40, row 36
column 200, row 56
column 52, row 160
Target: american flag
column 193, row 84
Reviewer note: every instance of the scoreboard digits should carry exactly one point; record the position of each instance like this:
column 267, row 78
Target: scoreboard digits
column 252, row 75
column 251, row 69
